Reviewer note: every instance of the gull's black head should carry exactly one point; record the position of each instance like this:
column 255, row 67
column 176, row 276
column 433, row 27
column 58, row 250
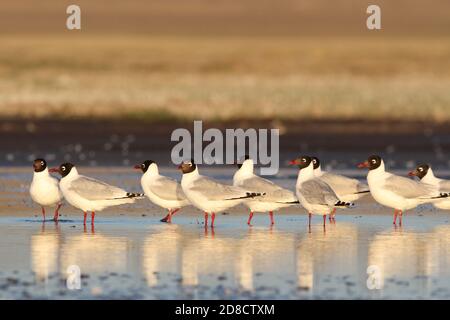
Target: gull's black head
column 316, row 162
column 39, row 165
column 187, row 166
column 246, row 157
column 65, row 168
column 373, row 162
column 420, row 171
column 302, row 162
column 144, row 165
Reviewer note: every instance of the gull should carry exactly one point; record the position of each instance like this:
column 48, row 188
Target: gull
column 314, row 194
column 399, row 193
column 275, row 196
column 162, row 191
column 44, row 188
column 88, row 194
column 347, row 189
column 209, row 195
column 426, row 175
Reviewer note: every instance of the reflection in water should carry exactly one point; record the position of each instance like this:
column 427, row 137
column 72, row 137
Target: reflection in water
column 45, row 247
column 405, row 254
column 399, row 254
column 95, row 253
column 322, row 253
column 280, row 261
column 160, row 252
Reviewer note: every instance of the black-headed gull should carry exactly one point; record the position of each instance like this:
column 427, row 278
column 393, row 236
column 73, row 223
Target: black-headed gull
column 426, row 175
column 88, row 194
column 397, row 192
column 44, row 188
column 347, row 189
column 275, row 196
column 314, row 194
column 162, row 191
column 209, row 195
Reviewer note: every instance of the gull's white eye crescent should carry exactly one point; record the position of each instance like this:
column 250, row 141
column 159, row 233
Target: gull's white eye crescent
column 374, row 161
column 63, row 168
column 420, row 169
column 42, row 162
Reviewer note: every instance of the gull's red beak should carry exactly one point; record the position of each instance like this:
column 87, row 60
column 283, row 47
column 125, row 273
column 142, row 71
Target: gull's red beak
column 412, row 173
column 364, row 164
column 53, row 170
column 293, row 162
column 180, row 166
column 137, row 167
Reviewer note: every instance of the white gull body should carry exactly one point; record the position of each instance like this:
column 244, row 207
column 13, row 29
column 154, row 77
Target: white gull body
column 163, row 191
column 275, row 196
column 399, row 192
column 44, row 189
column 441, row 184
column 89, row 194
column 347, row 189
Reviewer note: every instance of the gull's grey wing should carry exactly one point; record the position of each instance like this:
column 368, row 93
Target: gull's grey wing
column 444, row 185
column 92, row 189
column 409, row 188
column 273, row 192
column 214, row 190
column 167, row 189
column 343, row 185
column 316, row 191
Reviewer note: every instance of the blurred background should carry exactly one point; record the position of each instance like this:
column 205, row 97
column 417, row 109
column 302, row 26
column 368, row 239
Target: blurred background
column 111, row 93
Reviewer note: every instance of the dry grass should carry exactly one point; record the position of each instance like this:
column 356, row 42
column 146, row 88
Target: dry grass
column 160, row 78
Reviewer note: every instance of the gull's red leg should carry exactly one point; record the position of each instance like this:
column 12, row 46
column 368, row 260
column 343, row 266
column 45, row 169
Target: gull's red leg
column 166, row 218
column 56, row 216
column 213, row 217
column 324, row 220
column 92, row 217
column 250, row 216
column 309, row 221
column 401, row 218
column 395, row 217
column 43, row 212
column 206, row 219
column 271, row 218
column 85, row 215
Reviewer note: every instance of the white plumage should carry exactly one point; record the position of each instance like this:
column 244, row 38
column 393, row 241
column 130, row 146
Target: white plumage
column 209, row 195
column 44, row 189
column 275, row 197
column 89, row 194
column 399, row 193
column 162, row 191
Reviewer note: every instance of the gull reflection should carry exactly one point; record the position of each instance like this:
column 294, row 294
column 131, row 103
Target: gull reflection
column 45, row 248
column 333, row 252
column 160, row 252
column 95, row 253
column 264, row 254
column 401, row 254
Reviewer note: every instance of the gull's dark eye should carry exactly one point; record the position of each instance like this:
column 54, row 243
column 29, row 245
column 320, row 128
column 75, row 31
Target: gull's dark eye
column 303, row 160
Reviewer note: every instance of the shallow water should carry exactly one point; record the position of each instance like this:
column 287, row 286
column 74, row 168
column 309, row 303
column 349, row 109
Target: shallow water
column 141, row 258
column 130, row 254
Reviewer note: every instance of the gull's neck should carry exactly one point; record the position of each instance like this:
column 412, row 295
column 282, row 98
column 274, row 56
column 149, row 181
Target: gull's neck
column 305, row 174
column 245, row 171
column 430, row 178
column 42, row 174
column 318, row 172
column 151, row 172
